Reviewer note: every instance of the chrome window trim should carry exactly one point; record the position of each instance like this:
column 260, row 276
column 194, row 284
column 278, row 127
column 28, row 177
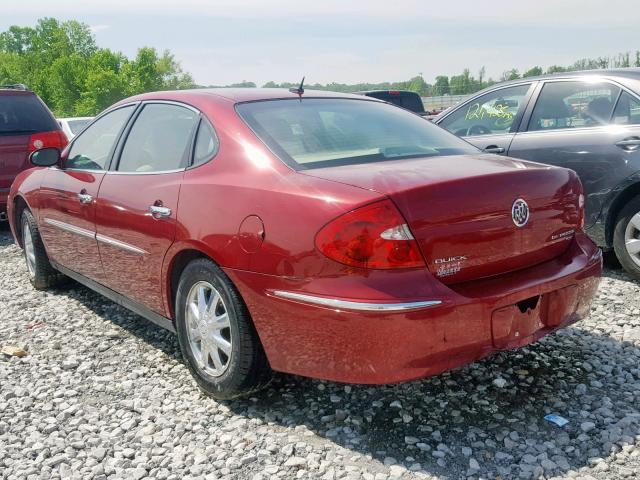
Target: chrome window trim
column 118, row 244
column 354, row 305
column 116, row 172
column 70, row 228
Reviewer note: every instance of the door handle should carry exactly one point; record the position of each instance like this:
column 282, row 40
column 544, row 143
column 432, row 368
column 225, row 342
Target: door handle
column 629, row 144
column 85, row 198
column 159, row 211
column 494, row 149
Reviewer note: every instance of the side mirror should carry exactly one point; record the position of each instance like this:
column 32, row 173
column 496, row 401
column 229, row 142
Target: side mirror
column 45, row 157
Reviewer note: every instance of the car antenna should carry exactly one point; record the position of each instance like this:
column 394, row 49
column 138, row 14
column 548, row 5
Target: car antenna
column 299, row 90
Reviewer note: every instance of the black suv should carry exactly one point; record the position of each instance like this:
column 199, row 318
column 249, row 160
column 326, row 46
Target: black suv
column 402, row 98
column 586, row 121
column 26, row 124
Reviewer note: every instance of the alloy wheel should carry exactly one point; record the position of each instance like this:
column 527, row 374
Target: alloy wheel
column 632, row 238
column 29, row 250
column 208, row 329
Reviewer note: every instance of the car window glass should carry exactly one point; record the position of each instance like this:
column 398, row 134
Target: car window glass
column 206, row 143
column 491, row 113
column 317, row 132
column 20, row 113
column 158, row 139
column 76, row 126
column 90, row 151
column 573, row 105
column 627, row 111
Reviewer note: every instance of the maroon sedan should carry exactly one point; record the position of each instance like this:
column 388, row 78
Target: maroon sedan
column 326, row 235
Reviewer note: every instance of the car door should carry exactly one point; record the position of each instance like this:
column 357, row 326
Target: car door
column 489, row 121
column 138, row 200
column 584, row 125
column 67, row 196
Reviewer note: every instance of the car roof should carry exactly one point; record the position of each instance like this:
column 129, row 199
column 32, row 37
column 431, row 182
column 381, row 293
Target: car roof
column 633, row 73
column 395, row 91
column 73, row 118
column 238, row 95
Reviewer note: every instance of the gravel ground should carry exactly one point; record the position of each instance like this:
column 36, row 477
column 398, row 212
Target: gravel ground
column 104, row 394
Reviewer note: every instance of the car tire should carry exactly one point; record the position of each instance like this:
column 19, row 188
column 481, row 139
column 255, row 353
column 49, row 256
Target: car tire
column 41, row 274
column 627, row 228
column 216, row 334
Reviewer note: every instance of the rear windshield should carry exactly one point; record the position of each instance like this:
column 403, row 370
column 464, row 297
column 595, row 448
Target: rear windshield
column 315, row 133
column 24, row 114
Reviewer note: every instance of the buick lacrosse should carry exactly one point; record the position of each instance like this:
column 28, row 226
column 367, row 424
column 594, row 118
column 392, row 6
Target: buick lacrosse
column 326, row 235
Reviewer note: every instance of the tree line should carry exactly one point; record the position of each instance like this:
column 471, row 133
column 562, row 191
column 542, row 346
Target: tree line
column 61, row 61
column 466, row 83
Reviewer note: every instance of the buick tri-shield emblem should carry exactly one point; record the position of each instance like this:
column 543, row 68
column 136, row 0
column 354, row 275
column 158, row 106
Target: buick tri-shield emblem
column 520, row 212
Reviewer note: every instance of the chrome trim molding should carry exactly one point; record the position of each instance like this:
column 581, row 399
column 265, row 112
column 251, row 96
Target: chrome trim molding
column 96, row 236
column 159, row 172
column 118, row 244
column 70, row 228
column 350, row 305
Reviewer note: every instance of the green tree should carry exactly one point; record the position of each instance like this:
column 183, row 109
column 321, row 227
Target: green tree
column 511, row 74
column 532, row 72
column 441, row 87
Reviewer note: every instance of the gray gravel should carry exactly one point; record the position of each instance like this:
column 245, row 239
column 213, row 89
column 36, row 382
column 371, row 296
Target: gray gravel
column 104, row 394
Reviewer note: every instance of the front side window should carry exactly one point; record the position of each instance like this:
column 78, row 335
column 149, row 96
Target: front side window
column 90, row 151
column 158, row 139
column 627, row 110
column 576, row 104
column 491, row 113
column 317, row 132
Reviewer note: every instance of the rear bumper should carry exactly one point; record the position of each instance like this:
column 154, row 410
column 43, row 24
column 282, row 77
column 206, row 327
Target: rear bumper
column 343, row 342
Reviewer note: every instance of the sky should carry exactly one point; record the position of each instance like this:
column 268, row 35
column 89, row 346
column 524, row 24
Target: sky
column 348, row 41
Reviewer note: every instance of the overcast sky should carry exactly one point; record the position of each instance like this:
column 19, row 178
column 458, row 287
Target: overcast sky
column 226, row 41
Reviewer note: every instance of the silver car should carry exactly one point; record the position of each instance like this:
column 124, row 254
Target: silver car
column 586, row 121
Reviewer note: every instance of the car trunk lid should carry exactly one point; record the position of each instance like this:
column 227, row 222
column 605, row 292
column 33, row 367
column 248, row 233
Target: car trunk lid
column 459, row 209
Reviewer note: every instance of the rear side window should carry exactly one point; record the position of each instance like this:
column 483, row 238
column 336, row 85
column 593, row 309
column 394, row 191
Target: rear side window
column 90, row 151
column 21, row 113
column 491, row 113
column 206, row 143
column 573, row 105
column 158, row 139
column 316, row 132
column 627, row 111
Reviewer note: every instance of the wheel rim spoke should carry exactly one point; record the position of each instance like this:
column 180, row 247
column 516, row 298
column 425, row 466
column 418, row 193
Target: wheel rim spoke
column 204, row 354
column 221, row 321
column 193, row 310
column 223, row 344
column 633, row 246
column 635, row 221
column 29, row 251
column 217, row 360
column 208, row 328
column 202, row 302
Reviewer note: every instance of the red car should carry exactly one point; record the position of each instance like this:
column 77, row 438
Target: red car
column 327, row 235
column 26, row 124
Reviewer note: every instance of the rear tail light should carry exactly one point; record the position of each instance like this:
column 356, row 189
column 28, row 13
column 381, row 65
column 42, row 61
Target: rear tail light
column 373, row 236
column 56, row 139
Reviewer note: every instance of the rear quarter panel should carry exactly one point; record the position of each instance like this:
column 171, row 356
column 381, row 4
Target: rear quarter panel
column 245, row 179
